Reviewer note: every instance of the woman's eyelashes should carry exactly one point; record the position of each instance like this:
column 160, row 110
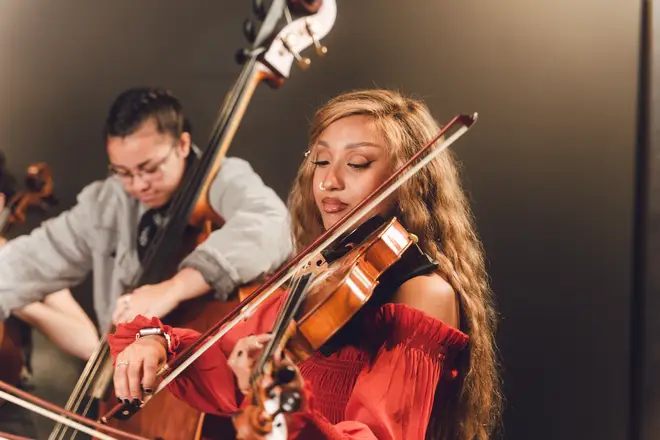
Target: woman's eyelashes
column 363, row 165
column 360, row 166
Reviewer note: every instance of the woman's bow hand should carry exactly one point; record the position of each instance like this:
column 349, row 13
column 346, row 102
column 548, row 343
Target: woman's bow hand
column 136, row 367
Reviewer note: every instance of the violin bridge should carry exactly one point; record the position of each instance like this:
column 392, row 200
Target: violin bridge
column 315, row 266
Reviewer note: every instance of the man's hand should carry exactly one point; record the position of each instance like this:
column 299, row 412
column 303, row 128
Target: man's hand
column 157, row 300
column 153, row 300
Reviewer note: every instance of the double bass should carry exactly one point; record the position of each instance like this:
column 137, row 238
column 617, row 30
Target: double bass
column 287, row 29
column 14, row 334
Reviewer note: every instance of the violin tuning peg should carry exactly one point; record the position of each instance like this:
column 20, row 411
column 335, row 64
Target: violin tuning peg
column 290, row 401
column 249, row 30
column 284, row 374
column 259, row 8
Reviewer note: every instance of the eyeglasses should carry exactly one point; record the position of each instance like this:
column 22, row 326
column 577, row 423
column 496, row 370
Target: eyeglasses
column 147, row 174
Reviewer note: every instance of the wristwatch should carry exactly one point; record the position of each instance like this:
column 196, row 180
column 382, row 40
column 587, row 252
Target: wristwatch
column 155, row 331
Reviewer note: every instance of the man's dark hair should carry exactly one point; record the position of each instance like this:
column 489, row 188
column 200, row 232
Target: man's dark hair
column 135, row 106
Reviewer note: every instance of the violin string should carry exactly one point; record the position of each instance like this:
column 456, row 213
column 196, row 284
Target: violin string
column 297, row 291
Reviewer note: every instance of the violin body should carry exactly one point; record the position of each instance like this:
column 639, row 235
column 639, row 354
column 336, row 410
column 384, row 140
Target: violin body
column 336, row 295
column 332, row 298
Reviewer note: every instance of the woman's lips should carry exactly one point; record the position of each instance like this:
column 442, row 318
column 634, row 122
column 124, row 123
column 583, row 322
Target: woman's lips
column 333, row 205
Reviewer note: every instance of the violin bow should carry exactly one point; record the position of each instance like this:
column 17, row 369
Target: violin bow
column 60, row 415
column 246, row 308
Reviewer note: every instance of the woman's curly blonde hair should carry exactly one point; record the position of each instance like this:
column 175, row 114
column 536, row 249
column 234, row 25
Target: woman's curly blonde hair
column 433, row 206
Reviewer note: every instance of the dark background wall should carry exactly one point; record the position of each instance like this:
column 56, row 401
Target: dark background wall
column 549, row 166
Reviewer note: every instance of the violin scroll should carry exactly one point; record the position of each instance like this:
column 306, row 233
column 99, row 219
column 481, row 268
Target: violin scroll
column 38, row 193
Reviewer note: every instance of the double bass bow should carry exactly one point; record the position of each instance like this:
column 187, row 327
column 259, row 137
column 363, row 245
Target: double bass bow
column 288, row 27
column 14, row 334
column 318, row 305
column 32, row 403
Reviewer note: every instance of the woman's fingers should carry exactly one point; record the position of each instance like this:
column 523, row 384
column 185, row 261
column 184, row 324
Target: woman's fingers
column 149, row 369
column 135, row 379
column 120, row 379
column 256, row 343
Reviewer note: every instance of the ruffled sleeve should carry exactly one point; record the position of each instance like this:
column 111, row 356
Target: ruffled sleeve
column 208, row 384
column 393, row 396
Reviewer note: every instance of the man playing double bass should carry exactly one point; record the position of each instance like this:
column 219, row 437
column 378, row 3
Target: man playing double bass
column 148, row 141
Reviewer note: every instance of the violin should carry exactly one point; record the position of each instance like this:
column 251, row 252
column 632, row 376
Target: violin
column 327, row 303
column 287, row 28
column 14, row 334
column 322, row 299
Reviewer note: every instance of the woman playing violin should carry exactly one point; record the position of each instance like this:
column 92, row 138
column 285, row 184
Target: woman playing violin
column 419, row 360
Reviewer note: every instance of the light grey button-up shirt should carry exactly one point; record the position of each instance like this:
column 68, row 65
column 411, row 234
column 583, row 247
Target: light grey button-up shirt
column 99, row 234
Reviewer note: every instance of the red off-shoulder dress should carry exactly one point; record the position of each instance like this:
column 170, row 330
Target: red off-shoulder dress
column 378, row 382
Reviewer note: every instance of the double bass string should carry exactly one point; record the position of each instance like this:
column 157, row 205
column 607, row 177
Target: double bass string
column 98, row 364
column 82, row 386
column 184, row 195
column 191, row 185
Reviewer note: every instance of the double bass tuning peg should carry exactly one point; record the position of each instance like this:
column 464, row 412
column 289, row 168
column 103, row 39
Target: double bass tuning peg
column 303, row 62
column 249, row 30
column 321, row 50
column 260, row 9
